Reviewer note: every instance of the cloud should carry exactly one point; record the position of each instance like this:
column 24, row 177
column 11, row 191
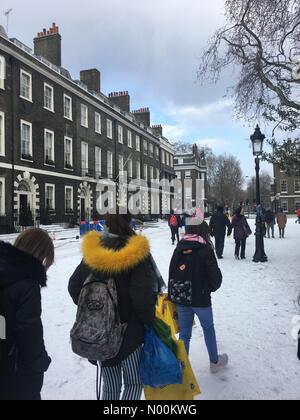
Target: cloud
column 215, row 144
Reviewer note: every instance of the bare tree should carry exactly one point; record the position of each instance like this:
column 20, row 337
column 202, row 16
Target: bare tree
column 265, row 189
column 262, row 39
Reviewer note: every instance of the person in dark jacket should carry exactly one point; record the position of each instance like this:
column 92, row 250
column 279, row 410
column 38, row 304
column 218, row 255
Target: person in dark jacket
column 122, row 255
column 218, row 225
column 174, row 222
column 24, row 359
column 195, row 263
column 241, row 232
column 270, row 220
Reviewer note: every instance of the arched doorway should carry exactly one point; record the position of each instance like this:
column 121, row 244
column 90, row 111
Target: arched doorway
column 26, row 200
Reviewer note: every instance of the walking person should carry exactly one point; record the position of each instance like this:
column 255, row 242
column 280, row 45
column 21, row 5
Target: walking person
column 298, row 216
column 270, row 220
column 24, row 359
column 194, row 274
column 281, row 222
column 124, row 258
column 218, row 225
column 241, row 232
column 174, row 221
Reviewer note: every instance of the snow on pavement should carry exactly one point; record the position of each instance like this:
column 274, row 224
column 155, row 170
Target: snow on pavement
column 253, row 317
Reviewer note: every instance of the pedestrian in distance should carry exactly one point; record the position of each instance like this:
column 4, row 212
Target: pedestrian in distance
column 119, row 278
column 23, row 357
column 298, row 216
column 219, row 223
column 194, row 275
column 270, row 220
column 174, row 221
column 241, row 232
column 281, row 222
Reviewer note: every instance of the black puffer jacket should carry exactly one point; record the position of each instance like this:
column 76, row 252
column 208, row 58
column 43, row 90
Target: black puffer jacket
column 218, row 224
column 201, row 270
column 128, row 261
column 26, row 359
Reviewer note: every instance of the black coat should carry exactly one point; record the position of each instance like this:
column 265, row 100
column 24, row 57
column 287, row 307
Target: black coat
column 204, row 274
column 26, row 359
column 218, row 224
column 133, row 273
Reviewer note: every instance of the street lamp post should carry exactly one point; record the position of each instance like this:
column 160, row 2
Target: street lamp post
column 257, row 140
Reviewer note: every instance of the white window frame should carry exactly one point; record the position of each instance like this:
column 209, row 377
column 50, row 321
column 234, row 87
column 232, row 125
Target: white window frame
column 71, row 153
column 145, row 147
column 130, row 168
column 47, row 86
column 85, row 169
column 54, row 203
column 2, row 72
column 52, row 157
column 2, row 203
column 163, row 157
column 2, row 134
column 109, row 129
column 151, row 173
column 145, row 172
column 297, row 204
column 138, row 143
column 70, row 188
column 151, row 150
column 138, row 170
column 110, row 164
column 287, row 186
column 98, row 161
column 98, row 123
column 23, row 122
column 120, row 134
column 167, row 159
column 188, row 174
column 283, row 203
column 179, row 176
column 157, row 152
column 68, row 117
column 84, row 116
column 29, row 75
column 121, row 163
column 129, row 139
column 297, row 182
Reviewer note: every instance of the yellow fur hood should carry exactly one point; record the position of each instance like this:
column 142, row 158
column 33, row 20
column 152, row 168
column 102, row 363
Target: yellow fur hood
column 110, row 261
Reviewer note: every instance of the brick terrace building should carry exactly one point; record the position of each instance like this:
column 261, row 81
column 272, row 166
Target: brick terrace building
column 59, row 136
column 287, row 189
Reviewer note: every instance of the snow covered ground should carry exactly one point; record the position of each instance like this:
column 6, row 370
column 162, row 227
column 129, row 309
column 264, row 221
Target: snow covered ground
column 253, row 316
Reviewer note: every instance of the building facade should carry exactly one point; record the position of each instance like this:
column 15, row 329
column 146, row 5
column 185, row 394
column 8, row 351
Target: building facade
column 59, row 137
column 191, row 170
column 286, row 189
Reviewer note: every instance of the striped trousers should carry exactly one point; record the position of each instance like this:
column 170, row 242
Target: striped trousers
column 112, row 379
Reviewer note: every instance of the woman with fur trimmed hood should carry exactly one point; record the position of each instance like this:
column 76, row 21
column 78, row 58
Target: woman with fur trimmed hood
column 120, row 254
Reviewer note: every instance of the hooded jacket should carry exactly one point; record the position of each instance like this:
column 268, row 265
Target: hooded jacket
column 25, row 356
column 128, row 261
column 202, row 271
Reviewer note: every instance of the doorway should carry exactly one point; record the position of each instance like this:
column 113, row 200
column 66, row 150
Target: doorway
column 82, row 210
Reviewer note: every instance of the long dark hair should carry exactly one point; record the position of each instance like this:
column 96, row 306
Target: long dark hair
column 119, row 224
column 202, row 230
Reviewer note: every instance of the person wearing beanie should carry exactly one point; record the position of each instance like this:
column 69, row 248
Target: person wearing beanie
column 218, row 225
column 193, row 276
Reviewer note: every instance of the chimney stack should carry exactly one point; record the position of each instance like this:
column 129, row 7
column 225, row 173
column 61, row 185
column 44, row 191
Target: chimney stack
column 158, row 130
column 47, row 44
column 142, row 115
column 121, row 99
column 92, row 79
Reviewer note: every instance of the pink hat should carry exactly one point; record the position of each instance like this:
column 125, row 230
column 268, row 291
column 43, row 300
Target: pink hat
column 196, row 217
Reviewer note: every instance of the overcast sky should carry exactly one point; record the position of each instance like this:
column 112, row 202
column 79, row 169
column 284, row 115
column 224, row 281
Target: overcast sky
column 152, row 49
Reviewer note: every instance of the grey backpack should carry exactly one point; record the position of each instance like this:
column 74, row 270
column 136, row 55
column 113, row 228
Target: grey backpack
column 98, row 333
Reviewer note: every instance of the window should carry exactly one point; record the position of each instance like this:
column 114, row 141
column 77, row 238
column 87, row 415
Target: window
column 188, row 174
column 68, row 153
column 2, row 72
column 120, row 134
column 98, row 127
column 178, row 174
column 151, row 173
column 121, row 163
column 129, row 169
column 151, row 150
column 297, row 205
column 2, row 196
column 171, row 161
column 297, row 185
column 50, row 196
column 26, row 85
column 49, row 147
column 157, row 152
column 145, row 172
column 68, row 112
column 84, row 116
column 145, row 147
column 26, row 140
column 284, row 186
column 129, row 139
column 84, row 159
column 138, row 143
column 167, row 159
column 69, row 202
column 285, row 206
column 138, row 170
column 98, row 162
column 110, row 165
column 2, row 134
column 109, row 125
column 48, row 97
